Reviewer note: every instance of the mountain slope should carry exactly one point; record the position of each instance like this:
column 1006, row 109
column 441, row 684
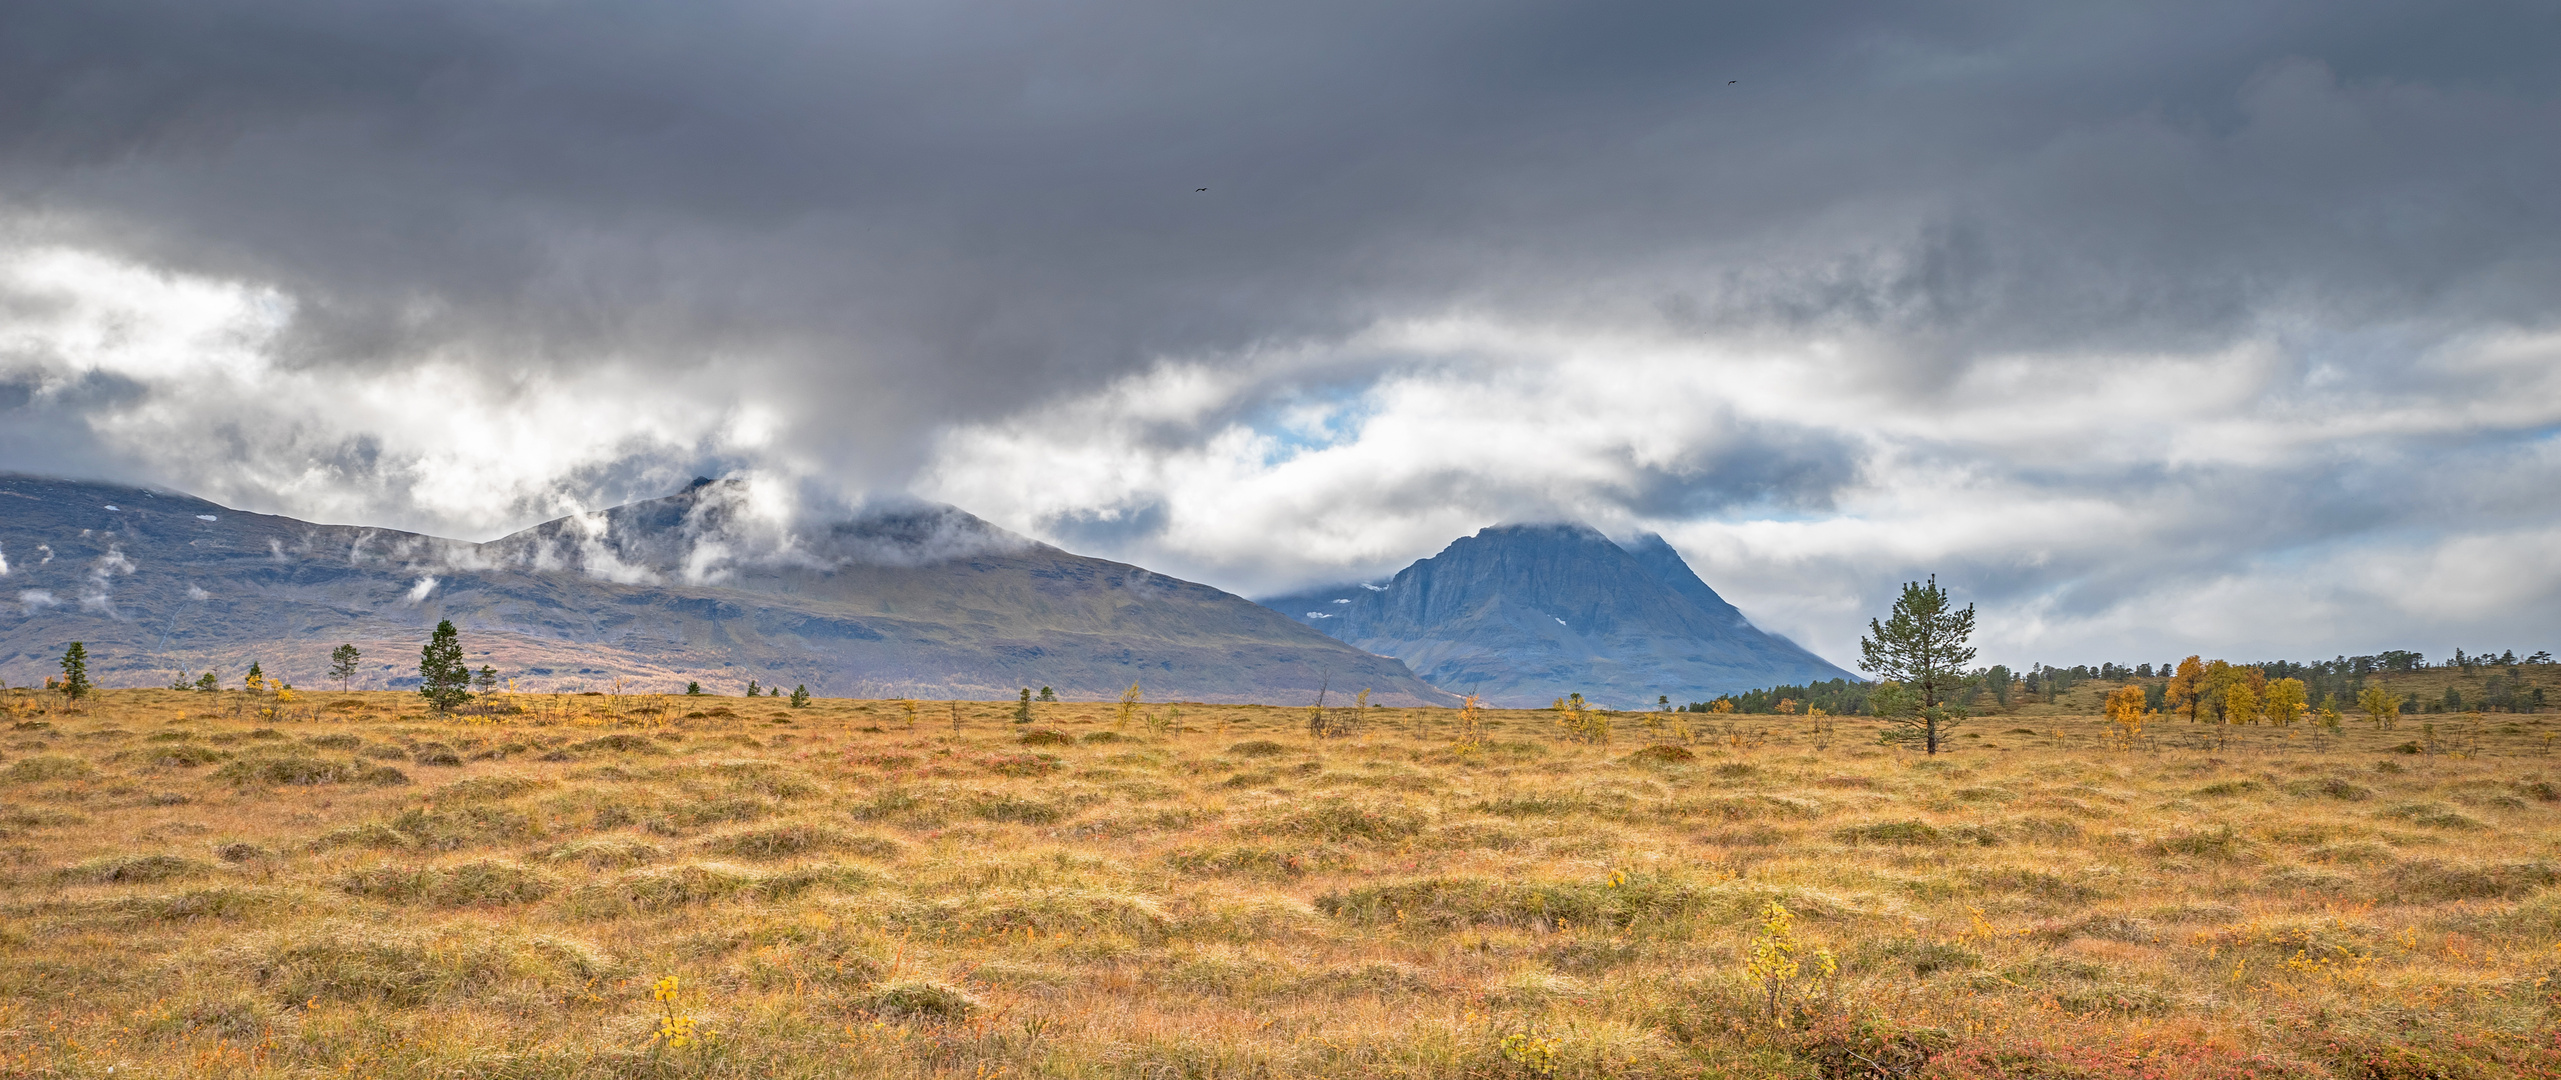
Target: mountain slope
column 1524, row 614
column 922, row 601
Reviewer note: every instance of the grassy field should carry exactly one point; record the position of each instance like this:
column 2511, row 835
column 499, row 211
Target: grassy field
column 723, row 887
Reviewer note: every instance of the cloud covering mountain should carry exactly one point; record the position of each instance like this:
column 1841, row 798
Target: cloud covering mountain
column 712, row 584
column 2187, row 326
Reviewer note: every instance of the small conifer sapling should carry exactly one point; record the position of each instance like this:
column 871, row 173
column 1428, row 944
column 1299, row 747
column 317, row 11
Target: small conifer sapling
column 342, row 664
column 75, row 671
column 443, row 679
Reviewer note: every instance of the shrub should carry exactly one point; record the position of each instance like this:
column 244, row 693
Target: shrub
column 1258, row 748
column 1045, row 737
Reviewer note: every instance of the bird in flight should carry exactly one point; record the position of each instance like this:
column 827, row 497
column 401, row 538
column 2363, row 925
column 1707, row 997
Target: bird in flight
column 1200, row 189
column 1730, row 82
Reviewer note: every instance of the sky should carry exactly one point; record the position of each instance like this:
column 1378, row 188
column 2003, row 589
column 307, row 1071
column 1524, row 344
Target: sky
column 2150, row 329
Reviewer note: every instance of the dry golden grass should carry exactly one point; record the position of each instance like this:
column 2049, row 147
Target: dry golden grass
column 364, row 890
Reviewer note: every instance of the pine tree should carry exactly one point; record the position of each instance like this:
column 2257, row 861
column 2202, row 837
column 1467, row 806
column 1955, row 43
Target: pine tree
column 342, row 664
column 1046, row 695
column 208, row 682
column 1920, row 652
column 487, row 680
column 443, row 679
column 1023, row 709
column 693, row 689
column 799, row 696
column 753, row 690
column 256, row 680
column 75, row 671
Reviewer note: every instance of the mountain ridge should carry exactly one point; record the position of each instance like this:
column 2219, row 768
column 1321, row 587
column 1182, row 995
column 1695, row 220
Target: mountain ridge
column 1525, row 613
column 917, row 600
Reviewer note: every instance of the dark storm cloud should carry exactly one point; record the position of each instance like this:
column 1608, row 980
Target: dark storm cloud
column 974, row 204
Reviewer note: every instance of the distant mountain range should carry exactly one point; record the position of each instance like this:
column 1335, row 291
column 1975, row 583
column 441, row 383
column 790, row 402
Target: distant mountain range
column 914, row 601
column 1525, row 614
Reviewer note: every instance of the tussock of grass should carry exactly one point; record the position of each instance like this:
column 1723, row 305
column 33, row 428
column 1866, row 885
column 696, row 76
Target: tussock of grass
column 920, row 1000
column 489, row 789
column 290, row 768
column 185, row 757
column 366, row 964
column 44, row 767
column 790, row 840
column 134, row 868
column 1343, row 821
column 616, row 744
column 1663, row 754
column 605, row 853
column 478, row 883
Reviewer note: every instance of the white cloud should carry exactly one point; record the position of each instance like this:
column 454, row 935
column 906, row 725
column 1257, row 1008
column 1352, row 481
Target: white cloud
column 419, row 591
column 2101, row 506
column 449, row 441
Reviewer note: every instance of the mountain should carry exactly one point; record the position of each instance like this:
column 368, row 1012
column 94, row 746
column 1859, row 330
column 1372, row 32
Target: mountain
column 1525, row 614
column 908, row 601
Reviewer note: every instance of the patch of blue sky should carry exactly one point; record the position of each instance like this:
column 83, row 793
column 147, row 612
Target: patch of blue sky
column 1312, row 418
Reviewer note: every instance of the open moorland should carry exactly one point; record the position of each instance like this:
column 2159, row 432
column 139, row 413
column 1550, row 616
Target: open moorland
column 220, row 884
